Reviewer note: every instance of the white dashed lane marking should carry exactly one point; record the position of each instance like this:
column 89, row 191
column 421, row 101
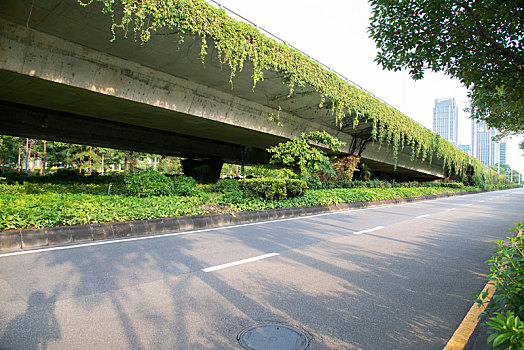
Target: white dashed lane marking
column 368, row 231
column 421, row 216
column 239, row 262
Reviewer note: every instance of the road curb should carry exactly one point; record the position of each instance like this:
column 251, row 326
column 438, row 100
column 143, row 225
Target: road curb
column 462, row 336
column 35, row 238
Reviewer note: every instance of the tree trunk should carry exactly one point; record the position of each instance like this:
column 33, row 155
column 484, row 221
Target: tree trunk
column 90, row 160
column 80, row 162
column 44, row 159
column 29, row 155
column 19, row 159
column 132, row 161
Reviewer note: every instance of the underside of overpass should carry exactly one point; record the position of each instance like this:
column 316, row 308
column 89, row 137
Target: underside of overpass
column 62, row 79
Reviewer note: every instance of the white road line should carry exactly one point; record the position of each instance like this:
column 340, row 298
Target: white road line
column 468, row 205
column 450, row 209
column 239, row 262
column 368, row 231
column 481, row 201
column 173, row 234
column 421, row 216
column 82, row 245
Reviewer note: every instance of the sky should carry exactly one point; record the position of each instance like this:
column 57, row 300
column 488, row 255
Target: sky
column 334, row 32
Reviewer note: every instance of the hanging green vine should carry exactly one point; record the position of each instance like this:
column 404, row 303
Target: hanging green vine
column 238, row 42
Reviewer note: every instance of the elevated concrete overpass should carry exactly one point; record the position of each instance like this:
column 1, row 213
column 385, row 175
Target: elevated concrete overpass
column 62, row 79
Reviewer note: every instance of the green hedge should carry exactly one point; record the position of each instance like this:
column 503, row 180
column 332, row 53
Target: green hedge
column 149, row 183
column 453, row 184
column 274, row 189
column 226, row 185
column 383, row 184
column 184, row 186
column 61, row 176
column 500, row 186
column 266, row 188
column 295, row 188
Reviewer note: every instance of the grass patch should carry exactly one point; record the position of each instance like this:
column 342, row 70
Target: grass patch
column 48, row 205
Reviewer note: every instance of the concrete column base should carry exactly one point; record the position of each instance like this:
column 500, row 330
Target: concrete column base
column 205, row 170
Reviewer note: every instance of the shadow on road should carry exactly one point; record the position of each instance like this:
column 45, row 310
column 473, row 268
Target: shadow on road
column 389, row 289
column 36, row 327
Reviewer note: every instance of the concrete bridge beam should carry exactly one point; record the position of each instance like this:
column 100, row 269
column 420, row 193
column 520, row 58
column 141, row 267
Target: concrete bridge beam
column 39, row 123
column 62, row 82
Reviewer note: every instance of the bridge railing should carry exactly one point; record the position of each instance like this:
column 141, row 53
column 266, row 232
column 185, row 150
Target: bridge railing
column 237, row 16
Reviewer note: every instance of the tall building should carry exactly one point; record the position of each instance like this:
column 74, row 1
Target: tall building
column 503, row 153
column 482, row 146
column 445, row 119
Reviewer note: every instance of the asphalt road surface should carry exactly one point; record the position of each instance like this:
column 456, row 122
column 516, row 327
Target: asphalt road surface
column 394, row 277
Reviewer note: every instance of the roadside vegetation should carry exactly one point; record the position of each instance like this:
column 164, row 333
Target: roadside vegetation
column 303, row 175
column 68, row 198
column 505, row 312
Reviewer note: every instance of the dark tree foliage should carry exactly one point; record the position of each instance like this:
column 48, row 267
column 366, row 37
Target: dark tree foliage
column 480, row 42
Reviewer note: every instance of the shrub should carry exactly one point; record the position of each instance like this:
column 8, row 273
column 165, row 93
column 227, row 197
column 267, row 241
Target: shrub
column 453, row 184
column 383, row 184
column 269, row 171
column 226, row 185
column 265, row 187
column 295, row 188
column 303, row 157
column 506, row 324
column 62, row 176
column 66, row 175
column 13, row 176
column 148, row 183
column 274, row 189
column 354, row 184
column 508, row 331
column 500, row 186
column 185, row 186
column 234, row 197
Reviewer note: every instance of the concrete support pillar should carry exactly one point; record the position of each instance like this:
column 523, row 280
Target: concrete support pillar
column 203, row 170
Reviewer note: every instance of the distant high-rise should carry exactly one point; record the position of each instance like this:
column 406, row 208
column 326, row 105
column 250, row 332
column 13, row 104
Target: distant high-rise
column 482, row 146
column 465, row 148
column 445, row 119
column 503, row 153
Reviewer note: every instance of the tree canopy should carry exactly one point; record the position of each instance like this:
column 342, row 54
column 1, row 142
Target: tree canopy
column 303, row 156
column 480, row 42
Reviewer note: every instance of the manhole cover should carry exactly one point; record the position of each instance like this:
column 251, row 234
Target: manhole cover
column 272, row 336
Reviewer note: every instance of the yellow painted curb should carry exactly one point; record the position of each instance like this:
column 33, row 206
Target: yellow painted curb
column 461, row 336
